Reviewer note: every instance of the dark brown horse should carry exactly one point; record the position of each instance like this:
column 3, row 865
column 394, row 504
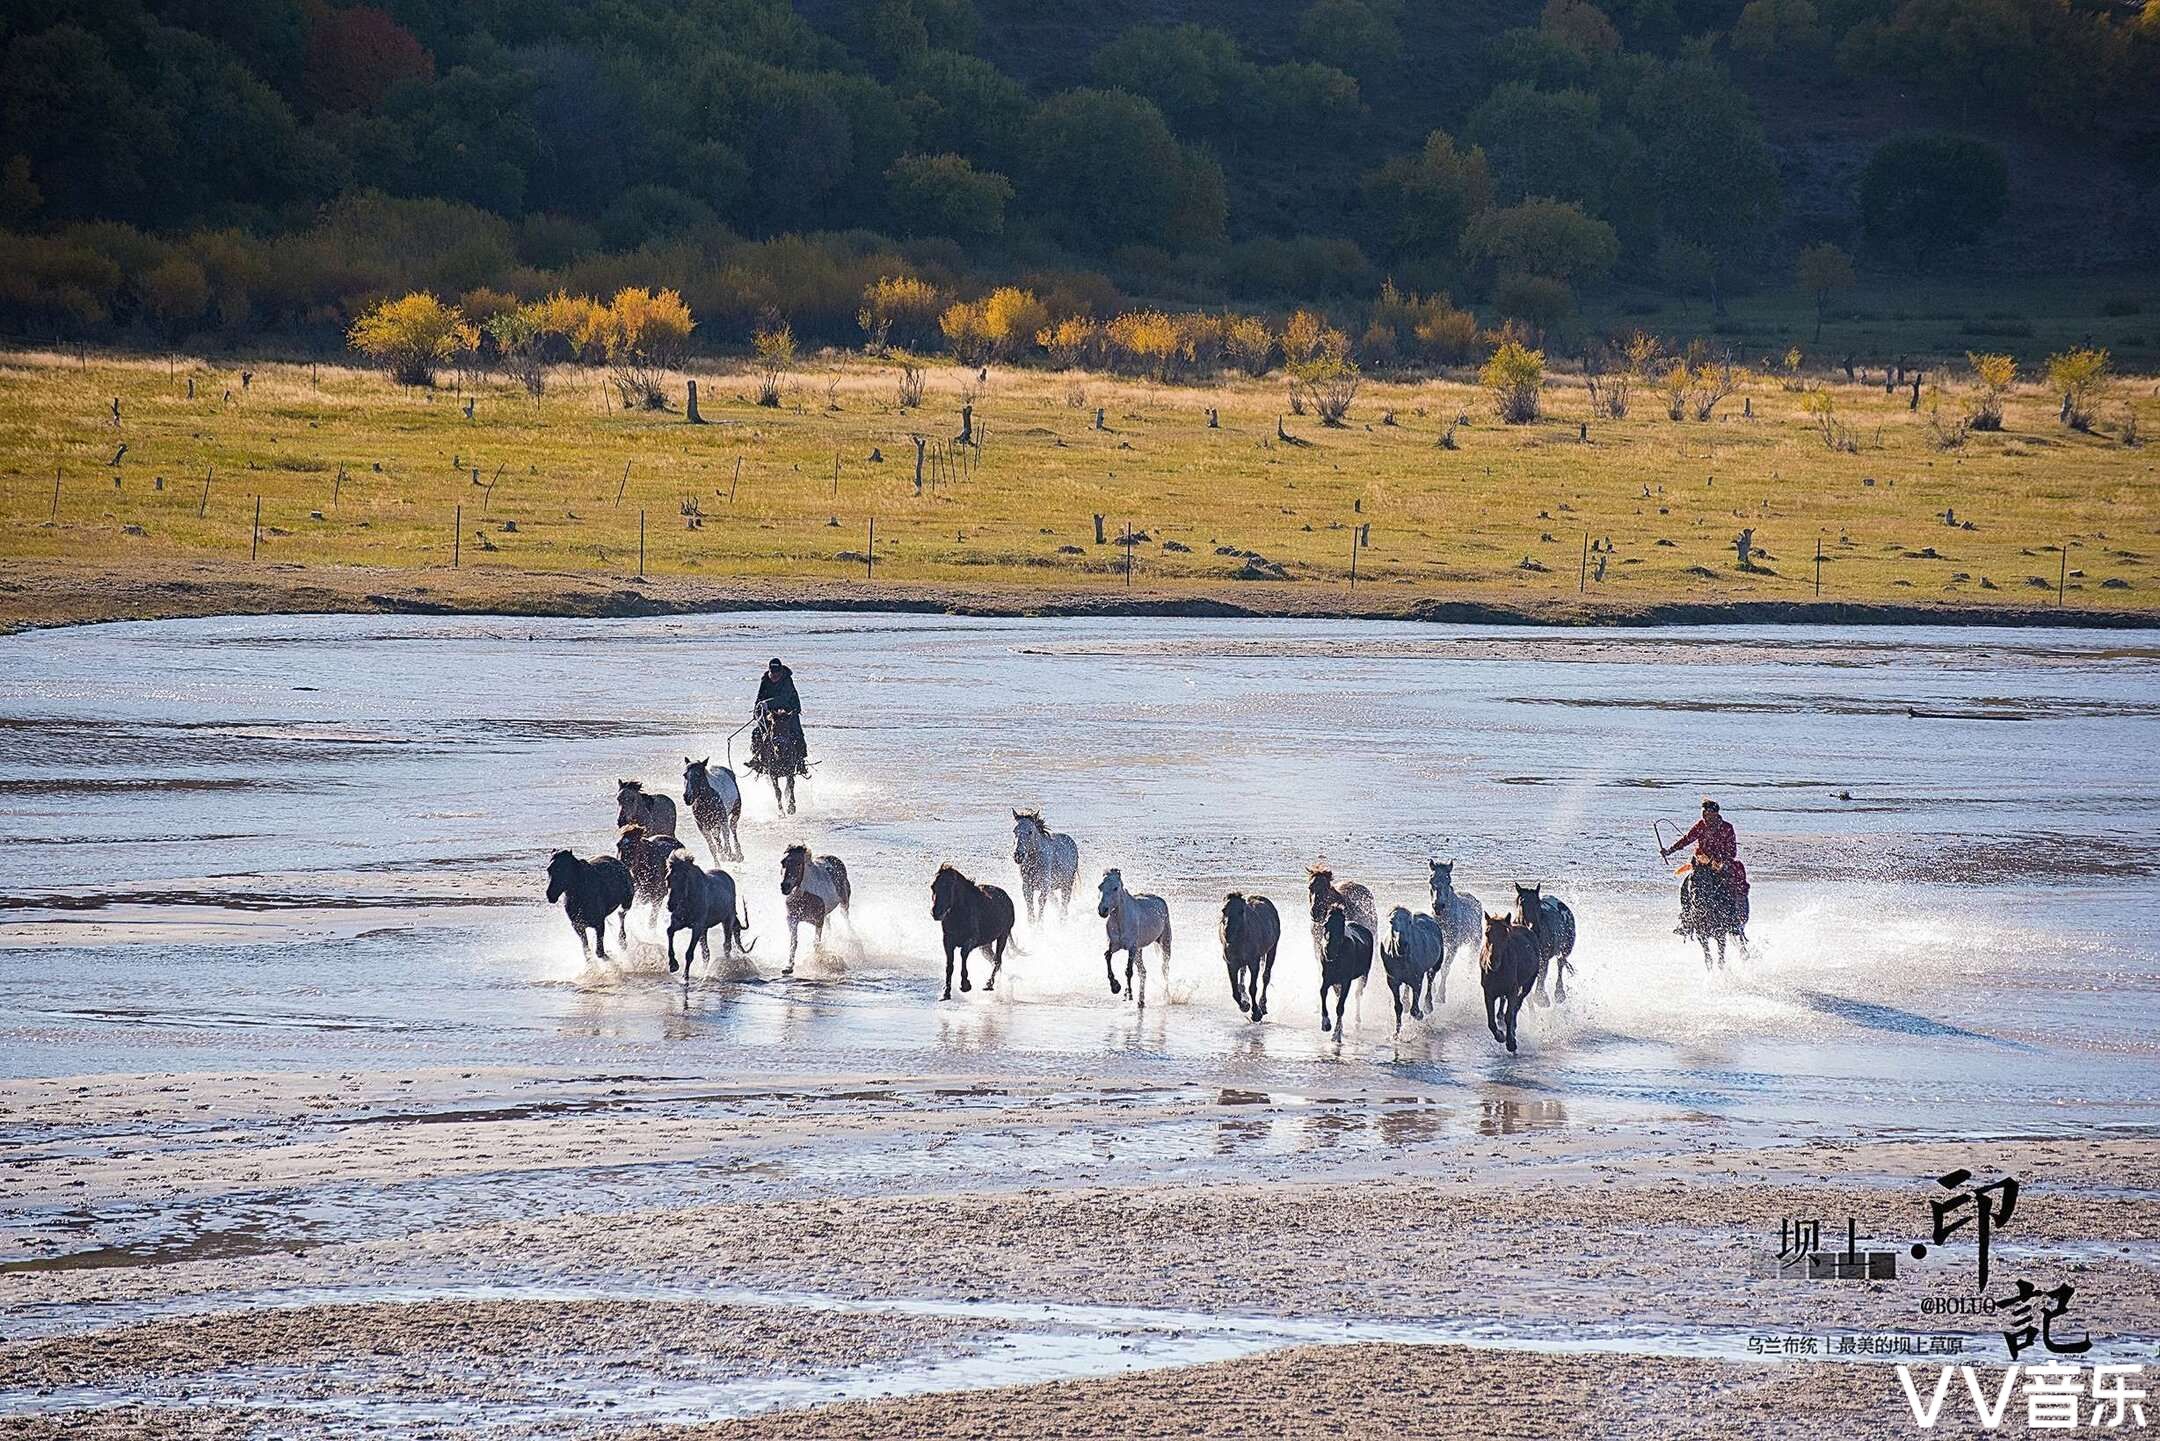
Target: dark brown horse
column 1712, row 908
column 1250, row 933
column 647, row 857
column 814, row 890
column 1509, row 968
column 975, row 918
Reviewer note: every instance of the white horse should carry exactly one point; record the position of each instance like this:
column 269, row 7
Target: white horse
column 1461, row 918
column 1131, row 924
column 1047, row 862
column 715, row 802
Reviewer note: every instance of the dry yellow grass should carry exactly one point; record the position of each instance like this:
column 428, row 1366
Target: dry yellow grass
column 1502, row 518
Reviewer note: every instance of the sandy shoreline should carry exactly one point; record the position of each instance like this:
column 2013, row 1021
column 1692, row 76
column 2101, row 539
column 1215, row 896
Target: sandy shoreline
column 40, row 594
column 615, row 1254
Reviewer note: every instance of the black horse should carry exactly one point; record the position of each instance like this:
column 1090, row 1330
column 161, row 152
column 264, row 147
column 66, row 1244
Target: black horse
column 1712, row 908
column 591, row 891
column 976, row 918
column 1250, row 933
column 1552, row 926
column 1346, row 953
column 777, row 748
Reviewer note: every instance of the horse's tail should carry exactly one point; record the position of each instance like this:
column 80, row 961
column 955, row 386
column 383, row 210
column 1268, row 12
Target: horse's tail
column 1166, row 933
column 841, row 888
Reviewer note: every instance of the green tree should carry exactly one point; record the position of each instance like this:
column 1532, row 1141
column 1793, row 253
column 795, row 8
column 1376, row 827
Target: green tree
column 962, row 105
column 1543, row 237
column 946, row 195
column 1357, row 37
column 1105, row 164
column 1423, row 200
column 1542, row 143
column 1780, row 30
column 1195, row 76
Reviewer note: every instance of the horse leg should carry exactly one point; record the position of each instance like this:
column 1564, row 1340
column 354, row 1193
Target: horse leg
column 794, row 931
column 1560, row 970
column 997, row 961
column 1514, row 1008
column 965, row 983
column 1136, row 976
column 1237, row 989
column 1323, row 1004
column 1110, row 970
column 1395, row 990
column 948, row 972
column 791, row 795
column 671, row 947
column 584, row 942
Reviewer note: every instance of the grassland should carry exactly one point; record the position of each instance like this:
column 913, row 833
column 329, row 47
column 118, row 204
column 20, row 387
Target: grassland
column 366, row 488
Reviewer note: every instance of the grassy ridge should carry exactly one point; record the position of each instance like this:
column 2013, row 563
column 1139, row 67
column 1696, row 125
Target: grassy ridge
column 1455, row 523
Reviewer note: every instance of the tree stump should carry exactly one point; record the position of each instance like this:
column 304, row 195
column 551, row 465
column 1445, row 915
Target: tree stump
column 1098, row 530
column 690, row 410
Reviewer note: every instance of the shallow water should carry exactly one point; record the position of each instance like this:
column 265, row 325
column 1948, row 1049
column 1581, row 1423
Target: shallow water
column 317, row 842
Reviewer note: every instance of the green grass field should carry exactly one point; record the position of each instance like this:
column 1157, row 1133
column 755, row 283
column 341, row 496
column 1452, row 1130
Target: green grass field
column 1504, row 517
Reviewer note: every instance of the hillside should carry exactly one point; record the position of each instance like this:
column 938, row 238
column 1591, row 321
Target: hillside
column 173, row 169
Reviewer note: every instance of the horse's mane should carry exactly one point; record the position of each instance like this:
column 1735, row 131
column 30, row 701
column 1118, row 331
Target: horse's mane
column 630, row 785
column 634, row 831
column 1034, row 815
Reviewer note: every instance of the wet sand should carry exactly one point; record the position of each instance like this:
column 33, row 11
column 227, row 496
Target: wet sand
column 1582, row 1277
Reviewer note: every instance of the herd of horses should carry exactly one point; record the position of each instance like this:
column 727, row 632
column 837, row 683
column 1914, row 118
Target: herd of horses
column 1524, row 951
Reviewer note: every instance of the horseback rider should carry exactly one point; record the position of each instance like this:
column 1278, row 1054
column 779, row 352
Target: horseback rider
column 778, row 747
column 1716, row 842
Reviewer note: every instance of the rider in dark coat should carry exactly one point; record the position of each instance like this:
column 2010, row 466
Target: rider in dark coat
column 785, row 751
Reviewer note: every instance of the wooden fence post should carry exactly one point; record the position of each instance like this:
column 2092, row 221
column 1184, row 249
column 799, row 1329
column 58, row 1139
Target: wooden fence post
column 255, row 538
column 869, row 564
column 457, row 536
column 1582, row 573
column 641, row 543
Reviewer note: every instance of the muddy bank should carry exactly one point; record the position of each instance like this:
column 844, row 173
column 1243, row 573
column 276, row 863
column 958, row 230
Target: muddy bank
column 1186, row 1262
column 38, row 593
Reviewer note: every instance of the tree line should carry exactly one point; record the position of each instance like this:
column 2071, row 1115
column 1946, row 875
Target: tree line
column 176, row 167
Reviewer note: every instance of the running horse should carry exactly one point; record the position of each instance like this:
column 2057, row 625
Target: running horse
column 1552, row 929
column 715, row 803
column 814, row 887
column 778, row 752
column 1712, row 908
column 1049, row 863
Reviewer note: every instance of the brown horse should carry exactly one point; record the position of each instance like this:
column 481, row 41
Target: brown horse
column 814, row 889
column 1355, row 900
column 1509, row 968
column 975, row 918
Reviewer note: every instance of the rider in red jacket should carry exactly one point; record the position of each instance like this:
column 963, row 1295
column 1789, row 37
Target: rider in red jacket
column 1715, row 840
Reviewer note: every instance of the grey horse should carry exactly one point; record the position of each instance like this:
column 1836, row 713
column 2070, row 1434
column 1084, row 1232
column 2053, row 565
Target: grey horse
column 1048, row 862
column 1410, row 955
column 1461, row 917
column 697, row 901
